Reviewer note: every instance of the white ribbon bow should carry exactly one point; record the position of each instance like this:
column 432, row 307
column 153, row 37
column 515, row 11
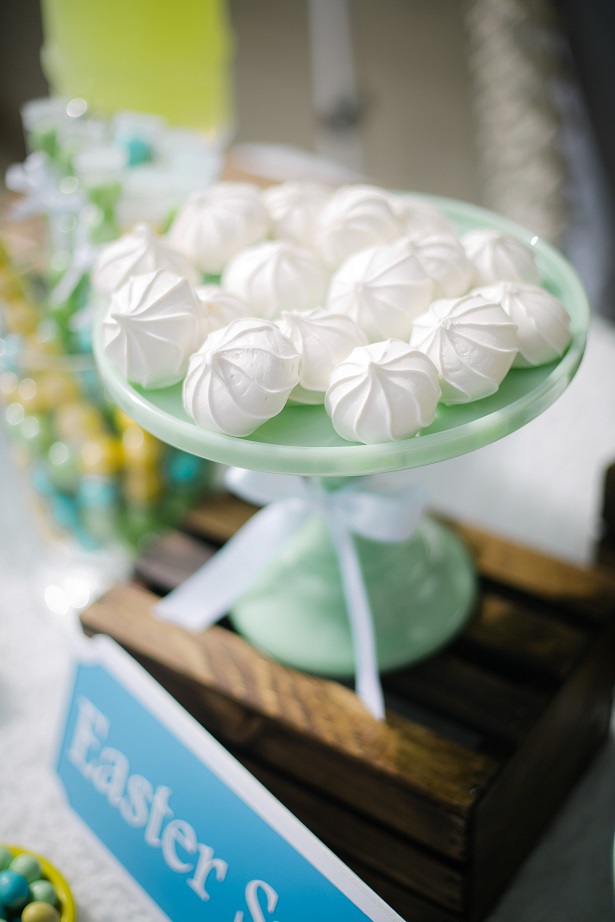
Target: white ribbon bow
column 374, row 508
column 38, row 182
column 40, row 185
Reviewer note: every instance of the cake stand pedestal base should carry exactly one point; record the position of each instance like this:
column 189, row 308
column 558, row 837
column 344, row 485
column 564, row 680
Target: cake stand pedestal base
column 421, row 593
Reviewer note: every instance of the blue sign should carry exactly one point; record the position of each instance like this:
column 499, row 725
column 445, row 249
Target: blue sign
column 199, row 834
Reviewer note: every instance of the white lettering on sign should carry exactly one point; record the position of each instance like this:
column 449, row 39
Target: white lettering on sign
column 144, row 807
column 253, row 902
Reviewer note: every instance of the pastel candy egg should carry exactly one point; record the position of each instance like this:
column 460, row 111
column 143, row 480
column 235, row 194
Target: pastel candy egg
column 140, row 448
column 21, row 317
column 64, row 511
column 97, row 492
column 10, row 347
column 30, row 396
column 58, row 387
column 27, row 865
column 36, row 433
column 184, row 468
column 62, row 466
column 78, row 420
column 9, row 382
column 122, row 420
column 43, row 891
column 6, row 856
column 142, row 486
column 13, row 889
column 40, row 912
column 101, row 455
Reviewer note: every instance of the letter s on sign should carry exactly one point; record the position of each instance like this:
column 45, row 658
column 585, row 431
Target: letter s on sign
column 254, row 906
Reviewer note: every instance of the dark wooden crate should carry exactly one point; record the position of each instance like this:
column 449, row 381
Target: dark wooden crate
column 437, row 807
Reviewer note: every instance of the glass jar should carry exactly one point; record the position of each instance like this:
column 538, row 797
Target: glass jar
column 99, row 484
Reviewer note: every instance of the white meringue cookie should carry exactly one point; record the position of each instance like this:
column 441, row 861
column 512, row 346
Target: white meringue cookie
column 135, row 253
column 471, row 341
column 217, row 223
column 418, row 217
column 323, row 340
column 382, row 393
column 543, row 325
column 241, row 377
column 218, row 308
column 383, row 289
column 295, row 209
column 152, row 326
column 444, row 260
column 276, row 276
column 499, row 257
column 355, row 217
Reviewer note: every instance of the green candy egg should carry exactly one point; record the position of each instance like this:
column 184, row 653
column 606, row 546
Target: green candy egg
column 40, row 912
column 27, row 866
column 6, row 857
column 62, row 467
column 42, row 891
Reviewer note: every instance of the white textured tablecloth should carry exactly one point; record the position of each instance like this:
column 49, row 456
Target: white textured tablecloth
column 541, row 485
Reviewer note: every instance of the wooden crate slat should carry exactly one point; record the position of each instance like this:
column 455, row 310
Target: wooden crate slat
column 220, row 517
column 478, row 697
column 409, row 905
column 165, row 564
column 392, row 856
column 521, row 640
column 556, row 582
column 522, row 799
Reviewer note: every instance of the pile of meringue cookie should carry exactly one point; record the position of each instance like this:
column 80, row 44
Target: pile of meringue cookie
column 357, row 298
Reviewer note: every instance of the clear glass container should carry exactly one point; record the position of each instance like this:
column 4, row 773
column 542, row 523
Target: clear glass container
column 99, row 485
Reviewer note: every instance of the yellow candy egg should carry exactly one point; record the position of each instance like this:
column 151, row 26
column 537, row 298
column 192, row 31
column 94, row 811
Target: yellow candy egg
column 102, row 455
column 122, row 420
column 29, row 395
column 58, row 387
column 78, row 421
column 9, row 382
column 21, row 316
column 10, row 286
column 141, row 449
column 142, row 486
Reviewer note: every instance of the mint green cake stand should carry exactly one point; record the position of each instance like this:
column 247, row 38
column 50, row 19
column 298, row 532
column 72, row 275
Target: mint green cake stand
column 421, row 591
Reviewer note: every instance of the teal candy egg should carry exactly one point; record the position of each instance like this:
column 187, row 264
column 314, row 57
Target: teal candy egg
column 27, row 865
column 10, row 347
column 64, row 511
column 97, row 492
column 6, row 857
column 40, row 480
column 42, row 891
column 184, row 469
column 14, row 890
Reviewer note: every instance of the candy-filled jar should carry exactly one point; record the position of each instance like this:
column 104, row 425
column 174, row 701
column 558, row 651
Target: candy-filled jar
column 99, row 484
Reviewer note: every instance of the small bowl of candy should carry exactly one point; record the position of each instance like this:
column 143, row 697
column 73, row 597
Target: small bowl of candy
column 32, row 889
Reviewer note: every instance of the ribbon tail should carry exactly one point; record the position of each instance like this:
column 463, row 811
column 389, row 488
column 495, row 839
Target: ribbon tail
column 368, row 685
column 209, row 593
